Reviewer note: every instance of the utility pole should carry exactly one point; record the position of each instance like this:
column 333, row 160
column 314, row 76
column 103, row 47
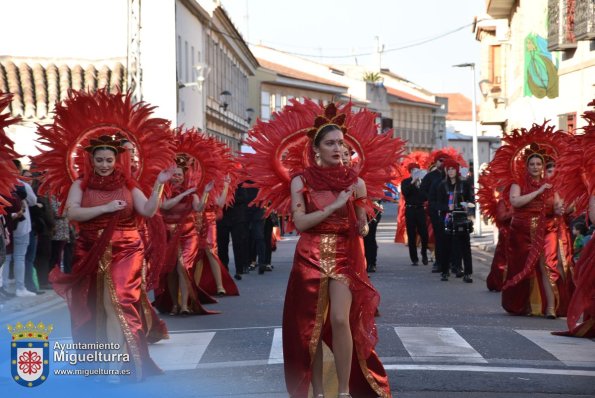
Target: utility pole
column 379, row 51
column 477, row 225
column 133, row 68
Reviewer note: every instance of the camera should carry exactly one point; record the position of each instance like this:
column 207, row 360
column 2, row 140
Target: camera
column 458, row 223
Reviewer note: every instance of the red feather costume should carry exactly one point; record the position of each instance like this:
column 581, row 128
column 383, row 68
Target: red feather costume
column 331, row 250
column 106, row 285
column 534, row 228
column 576, row 180
column 204, row 159
column 8, row 171
column 495, row 205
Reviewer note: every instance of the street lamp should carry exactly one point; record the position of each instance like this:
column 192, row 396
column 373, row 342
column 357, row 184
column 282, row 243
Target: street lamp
column 202, row 71
column 477, row 226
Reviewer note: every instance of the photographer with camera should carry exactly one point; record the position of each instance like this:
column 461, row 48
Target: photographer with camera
column 455, row 196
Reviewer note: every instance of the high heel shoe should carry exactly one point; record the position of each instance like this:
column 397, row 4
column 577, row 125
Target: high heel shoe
column 550, row 313
column 344, row 395
column 175, row 310
column 221, row 292
column 184, row 311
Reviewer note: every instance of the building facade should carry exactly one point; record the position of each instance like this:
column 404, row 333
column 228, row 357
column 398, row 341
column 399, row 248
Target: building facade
column 538, row 62
column 164, row 48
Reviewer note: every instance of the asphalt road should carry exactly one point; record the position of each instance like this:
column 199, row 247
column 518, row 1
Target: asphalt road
column 437, row 339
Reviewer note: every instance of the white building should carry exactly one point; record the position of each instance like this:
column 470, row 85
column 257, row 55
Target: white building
column 162, row 49
column 529, row 73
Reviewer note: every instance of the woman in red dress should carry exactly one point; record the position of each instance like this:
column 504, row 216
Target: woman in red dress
column 539, row 283
column 180, row 210
column 105, row 203
column 329, row 268
column 104, row 289
column 329, row 303
column 213, row 276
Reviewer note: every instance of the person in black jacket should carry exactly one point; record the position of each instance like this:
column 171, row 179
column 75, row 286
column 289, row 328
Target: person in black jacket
column 235, row 222
column 429, row 186
column 454, row 197
column 415, row 215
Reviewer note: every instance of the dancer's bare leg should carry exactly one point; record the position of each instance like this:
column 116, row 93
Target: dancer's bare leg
column 183, row 287
column 317, row 387
column 216, row 271
column 547, row 288
column 173, row 286
column 340, row 296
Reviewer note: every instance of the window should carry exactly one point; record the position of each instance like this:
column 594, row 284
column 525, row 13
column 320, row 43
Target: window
column 265, row 110
column 179, row 56
column 186, row 60
column 193, row 74
column 495, row 65
column 571, row 122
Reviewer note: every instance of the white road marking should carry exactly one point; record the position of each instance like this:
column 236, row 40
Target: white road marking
column 433, row 343
column 276, row 354
column 181, row 351
column 571, row 351
column 490, row 369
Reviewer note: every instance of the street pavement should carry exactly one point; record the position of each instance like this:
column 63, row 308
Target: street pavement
column 436, row 339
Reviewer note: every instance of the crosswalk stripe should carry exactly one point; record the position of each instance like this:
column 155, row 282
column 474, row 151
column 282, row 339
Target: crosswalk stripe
column 276, row 354
column 571, row 351
column 431, row 343
column 181, row 350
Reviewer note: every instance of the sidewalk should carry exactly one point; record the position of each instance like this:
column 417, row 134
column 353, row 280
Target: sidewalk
column 485, row 241
column 18, row 306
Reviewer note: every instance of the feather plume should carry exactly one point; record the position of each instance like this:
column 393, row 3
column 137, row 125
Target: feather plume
column 8, row 171
column 282, row 148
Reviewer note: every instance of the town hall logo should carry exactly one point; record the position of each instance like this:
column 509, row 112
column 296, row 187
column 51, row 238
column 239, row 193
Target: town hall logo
column 29, row 353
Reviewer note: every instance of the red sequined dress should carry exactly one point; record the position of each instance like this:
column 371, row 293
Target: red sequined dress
column 207, row 227
column 330, row 251
column 535, row 230
column 183, row 248
column 107, row 274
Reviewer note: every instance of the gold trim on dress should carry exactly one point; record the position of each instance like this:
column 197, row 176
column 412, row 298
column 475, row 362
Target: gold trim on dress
column 130, row 340
column 371, row 380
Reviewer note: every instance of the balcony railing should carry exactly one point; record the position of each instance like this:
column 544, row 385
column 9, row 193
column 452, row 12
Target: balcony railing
column 584, row 20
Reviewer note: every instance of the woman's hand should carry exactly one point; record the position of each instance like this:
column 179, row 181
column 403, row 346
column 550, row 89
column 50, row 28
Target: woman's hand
column 189, row 191
column 545, row 186
column 209, row 186
column 227, row 179
column 343, row 197
column 166, row 174
column 114, row 205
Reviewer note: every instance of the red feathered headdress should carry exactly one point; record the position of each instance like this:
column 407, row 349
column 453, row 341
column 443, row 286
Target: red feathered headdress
column 421, row 158
column 509, row 163
column 81, row 120
column 575, row 167
column 283, row 148
column 205, row 159
column 448, row 152
column 8, row 171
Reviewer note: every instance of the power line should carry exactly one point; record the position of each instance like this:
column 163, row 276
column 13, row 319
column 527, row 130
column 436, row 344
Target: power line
column 415, row 44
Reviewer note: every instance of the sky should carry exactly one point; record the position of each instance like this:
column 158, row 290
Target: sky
column 345, row 31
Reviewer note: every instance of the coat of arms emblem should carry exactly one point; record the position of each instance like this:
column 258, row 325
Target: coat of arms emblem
column 29, row 353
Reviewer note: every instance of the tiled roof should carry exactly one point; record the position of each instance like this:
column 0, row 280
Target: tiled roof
column 296, row 74
column 37, row 88
column 409, row 97
column 459, row 106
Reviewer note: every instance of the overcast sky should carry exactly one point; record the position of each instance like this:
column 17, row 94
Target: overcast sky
column 344, row 31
